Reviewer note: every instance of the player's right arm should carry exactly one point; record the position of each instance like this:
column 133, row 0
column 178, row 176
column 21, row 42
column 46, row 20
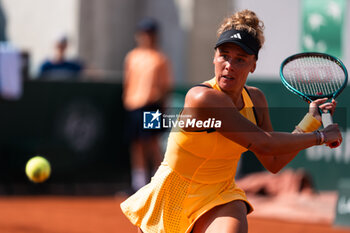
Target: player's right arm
column 240, row 130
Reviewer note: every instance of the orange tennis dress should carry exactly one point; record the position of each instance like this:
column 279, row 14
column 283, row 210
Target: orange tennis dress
column 197, row 174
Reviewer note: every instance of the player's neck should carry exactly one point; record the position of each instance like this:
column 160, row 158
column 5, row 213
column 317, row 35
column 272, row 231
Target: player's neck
column 237, row 99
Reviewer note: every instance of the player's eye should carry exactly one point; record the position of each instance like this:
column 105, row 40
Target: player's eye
column 240, row 60
column 224, row 57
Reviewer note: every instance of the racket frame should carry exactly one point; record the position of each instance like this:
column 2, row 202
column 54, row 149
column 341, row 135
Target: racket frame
column 310, row 98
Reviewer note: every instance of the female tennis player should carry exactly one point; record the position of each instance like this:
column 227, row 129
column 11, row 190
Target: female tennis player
column 194, row 189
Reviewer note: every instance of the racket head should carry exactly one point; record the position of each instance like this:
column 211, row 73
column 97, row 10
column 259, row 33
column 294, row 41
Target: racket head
column 314, row 75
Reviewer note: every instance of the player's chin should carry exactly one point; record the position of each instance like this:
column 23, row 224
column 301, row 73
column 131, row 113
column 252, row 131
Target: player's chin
column 227, row 83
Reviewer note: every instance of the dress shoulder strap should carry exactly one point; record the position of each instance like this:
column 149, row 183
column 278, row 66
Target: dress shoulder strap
column 202, row 85
column 249, row 103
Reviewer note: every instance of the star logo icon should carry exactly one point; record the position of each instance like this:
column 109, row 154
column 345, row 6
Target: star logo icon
column 334, row 10
column 316, row 21
column 151, row 120
column 155, row 115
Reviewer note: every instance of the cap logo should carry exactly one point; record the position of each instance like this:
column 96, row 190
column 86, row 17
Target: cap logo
column 248, row 42
column 237, row 36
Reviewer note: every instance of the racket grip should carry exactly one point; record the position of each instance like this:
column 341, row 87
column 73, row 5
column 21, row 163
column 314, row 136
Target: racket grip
column 327, row 120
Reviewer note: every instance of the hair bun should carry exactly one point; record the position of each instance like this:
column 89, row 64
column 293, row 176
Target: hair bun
column 244, row 20
column 248, row 18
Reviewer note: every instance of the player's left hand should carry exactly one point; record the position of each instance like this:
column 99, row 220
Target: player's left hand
column 323, row 105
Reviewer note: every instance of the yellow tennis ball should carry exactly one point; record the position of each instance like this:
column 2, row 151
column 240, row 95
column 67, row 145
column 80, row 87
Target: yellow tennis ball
column 38, row 169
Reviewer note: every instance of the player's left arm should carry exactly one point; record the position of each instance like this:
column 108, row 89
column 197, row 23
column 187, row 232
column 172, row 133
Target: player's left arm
column 275, row 163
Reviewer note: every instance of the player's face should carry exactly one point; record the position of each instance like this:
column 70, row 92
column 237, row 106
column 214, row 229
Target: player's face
column 232, row 66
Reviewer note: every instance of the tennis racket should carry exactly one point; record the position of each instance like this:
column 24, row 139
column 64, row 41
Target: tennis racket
column 314, row 76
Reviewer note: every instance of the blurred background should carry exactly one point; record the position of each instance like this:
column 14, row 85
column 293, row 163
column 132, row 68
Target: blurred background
column 77, row 121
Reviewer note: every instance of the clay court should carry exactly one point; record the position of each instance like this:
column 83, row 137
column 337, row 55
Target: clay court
column 58, row 214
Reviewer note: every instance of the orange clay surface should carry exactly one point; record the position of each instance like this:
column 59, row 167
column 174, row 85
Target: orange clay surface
column 58, row 214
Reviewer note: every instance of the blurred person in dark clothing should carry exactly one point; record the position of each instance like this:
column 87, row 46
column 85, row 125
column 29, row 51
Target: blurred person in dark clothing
column 60, row 67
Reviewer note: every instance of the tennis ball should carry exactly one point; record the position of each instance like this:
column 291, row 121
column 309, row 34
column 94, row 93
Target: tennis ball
column 38, row 169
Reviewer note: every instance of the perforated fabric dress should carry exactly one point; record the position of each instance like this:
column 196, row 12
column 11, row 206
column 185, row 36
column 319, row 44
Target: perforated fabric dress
column 197, row 174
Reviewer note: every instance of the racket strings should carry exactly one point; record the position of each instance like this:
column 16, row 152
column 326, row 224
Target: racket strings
column 314, row 75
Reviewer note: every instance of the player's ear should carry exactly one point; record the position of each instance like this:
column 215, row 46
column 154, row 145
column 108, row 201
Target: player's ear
column 253, row 68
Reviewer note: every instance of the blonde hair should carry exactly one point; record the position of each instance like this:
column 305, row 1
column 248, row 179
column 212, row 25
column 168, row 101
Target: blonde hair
column 244, row 20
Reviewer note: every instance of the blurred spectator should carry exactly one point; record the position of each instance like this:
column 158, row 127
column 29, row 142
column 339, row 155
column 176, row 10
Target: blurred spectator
column 10, row 71
column 285, row 182
column 59, row 67
column 147, row 82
